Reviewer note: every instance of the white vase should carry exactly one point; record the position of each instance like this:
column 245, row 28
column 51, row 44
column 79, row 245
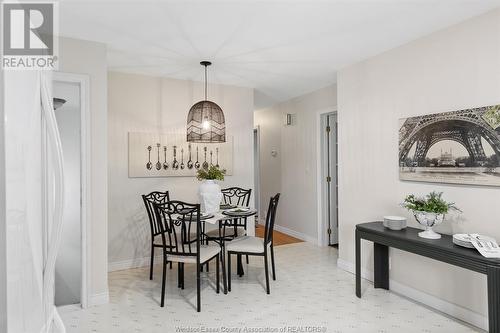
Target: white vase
column 210, row 196
column 428, row 220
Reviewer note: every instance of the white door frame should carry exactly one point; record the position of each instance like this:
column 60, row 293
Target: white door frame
column 3, row 215
column 85, row 141
column 322, row 228
column 256, row 130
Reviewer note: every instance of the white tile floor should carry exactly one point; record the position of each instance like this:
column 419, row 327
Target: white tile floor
column 310, row 291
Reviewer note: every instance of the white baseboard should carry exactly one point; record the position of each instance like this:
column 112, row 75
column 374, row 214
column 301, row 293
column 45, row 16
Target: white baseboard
column 132, row 263
column 448, row 308
column 98, row 299
column 296, row 234
column 63, row 309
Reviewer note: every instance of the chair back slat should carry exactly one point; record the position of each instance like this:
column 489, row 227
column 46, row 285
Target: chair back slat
column 149, row 200
column 177, row 219
column 270, row 218
column 236, row 196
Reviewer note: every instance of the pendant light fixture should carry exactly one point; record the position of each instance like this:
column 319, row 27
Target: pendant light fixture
column 205, row 121
column 58, row 102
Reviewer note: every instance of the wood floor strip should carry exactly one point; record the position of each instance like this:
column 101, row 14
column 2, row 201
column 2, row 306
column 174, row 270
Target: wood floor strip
column 279, row 238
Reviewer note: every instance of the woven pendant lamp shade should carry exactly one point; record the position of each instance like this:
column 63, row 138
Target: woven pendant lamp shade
column 205, row 121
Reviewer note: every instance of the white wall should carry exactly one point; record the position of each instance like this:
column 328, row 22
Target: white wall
column 294, row 171
column 68, row 273
column 270, row 123
column 452, row 69
column 83, row 57
column 139, row 103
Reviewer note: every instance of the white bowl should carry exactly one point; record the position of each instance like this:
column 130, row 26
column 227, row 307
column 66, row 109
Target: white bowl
column 394, row 222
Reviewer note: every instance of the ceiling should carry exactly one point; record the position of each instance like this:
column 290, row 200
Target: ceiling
column 281, row 48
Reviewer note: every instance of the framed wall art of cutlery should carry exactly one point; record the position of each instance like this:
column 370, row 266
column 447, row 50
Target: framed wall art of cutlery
column 170, row 155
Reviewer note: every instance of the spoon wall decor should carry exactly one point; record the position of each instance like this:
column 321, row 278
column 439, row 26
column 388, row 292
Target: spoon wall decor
column 189, row 162
column 149, row 165
column 175, row 163
column 158, row 164
column 197, row 163
column 205, row 164
column 165, row 164
column 169, row 154
column 182, row 158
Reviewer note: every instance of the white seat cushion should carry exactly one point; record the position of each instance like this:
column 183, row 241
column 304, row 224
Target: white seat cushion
column 229, row 232
column 248, row 244
column 206, row 252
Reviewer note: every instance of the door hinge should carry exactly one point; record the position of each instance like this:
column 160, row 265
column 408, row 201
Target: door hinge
column 328, row 179
column 329, row 231
column 328, row 129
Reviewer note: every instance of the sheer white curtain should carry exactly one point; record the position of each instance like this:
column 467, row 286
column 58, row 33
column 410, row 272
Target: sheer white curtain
column 55, row 200
column 23, row 201
column 33, row 228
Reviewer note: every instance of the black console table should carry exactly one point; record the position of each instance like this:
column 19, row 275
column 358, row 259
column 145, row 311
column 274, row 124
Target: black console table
column 439, row 249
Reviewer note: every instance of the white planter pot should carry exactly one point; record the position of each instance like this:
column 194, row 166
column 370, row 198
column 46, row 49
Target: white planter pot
column 210, row 196
column 428, row 220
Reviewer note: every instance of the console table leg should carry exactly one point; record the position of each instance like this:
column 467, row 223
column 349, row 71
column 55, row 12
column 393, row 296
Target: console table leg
column 381, row 266
column 358, row 265
column 493, row 274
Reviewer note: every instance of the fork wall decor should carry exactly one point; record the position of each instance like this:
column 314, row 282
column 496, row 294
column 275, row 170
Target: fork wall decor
column 170, row 155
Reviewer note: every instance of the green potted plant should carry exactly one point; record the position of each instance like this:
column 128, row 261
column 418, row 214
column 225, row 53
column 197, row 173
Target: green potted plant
column 429, row 211
column 210, row 192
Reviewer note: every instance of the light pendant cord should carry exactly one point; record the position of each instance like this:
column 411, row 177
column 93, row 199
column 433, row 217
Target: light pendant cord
column 205, row 82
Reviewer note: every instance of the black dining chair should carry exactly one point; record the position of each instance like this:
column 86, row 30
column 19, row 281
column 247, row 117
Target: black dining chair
column 177, row 219
column 236, row 196
column 232, row 227
column 255, row 246
column 150, row 199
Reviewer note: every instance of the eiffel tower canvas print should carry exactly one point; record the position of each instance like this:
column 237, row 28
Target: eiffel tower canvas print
column 459, row 147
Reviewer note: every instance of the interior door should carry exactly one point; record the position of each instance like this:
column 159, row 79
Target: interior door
column 68, row 278
column 256, row 169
